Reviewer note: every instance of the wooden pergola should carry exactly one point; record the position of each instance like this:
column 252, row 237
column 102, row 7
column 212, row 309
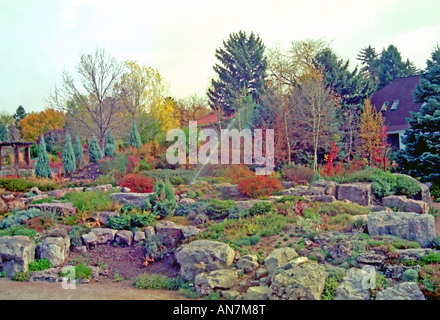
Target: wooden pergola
column 17, row 145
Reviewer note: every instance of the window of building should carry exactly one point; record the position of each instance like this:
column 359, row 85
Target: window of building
column 384, row 106
column 395, row 105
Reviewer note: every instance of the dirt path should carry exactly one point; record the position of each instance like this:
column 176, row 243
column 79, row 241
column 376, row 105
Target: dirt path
column 12, row 290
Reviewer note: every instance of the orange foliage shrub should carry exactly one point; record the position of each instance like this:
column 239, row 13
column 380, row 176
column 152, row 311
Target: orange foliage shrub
column 238, row 171
column 259, row 186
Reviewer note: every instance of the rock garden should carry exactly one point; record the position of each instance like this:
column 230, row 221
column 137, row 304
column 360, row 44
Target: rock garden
column 367, row 235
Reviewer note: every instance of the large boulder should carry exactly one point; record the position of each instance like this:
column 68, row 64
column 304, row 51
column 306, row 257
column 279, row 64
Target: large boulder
column 228, row 189
column 358, row 192
column 321, row 188
column 3, row 206
column 402, row 203
column 174, row 233
column 340, row 251
column 248, row 263
column 54, row 249
column 15, row 254
column 61, row 209
column 203, row 256
column 16, row 205
column 279, row 258
column 98, row 236
column 295, row 191
column 406, row 225
column 302, row 282
column 124, row 237
column 402, row 291
column 257, row 293
column 206, row 282
column 136, row 199
column 353, row 286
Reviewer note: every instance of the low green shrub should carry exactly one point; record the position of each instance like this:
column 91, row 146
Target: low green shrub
column 176, row 180
column 213, row 296
column 89, row 201
column 255, row 239
column 340, row 207
column 430, row 258
column 21, row 276
column 81, row 272
column 157, row 281
column 329, row 291
column 2, row 274
column 245, row 241
column 75, row 234
column 435, row 242
column 39, row 265
column 155, row 247
column 260, row 208
column 121, row 222
column 23, row 185
column 237, row 212
column 383, row 183
column 219, row 208
column 410, row 275
column 19, row 217
column 407, row 186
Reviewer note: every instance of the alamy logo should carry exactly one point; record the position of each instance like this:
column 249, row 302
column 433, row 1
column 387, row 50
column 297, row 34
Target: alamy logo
column 230, row 147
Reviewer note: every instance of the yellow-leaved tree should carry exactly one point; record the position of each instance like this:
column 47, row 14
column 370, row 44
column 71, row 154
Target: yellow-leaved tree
column 38, row 123
column 167, row 114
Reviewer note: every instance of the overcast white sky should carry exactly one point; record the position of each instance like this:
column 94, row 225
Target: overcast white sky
column 41, row 38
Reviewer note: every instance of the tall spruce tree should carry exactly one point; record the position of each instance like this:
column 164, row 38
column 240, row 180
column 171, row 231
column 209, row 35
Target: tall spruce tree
column 19, row 114
column 78, row 152
column 242, row 67
column 421, row 157
column 392, row 67
column 42, row 167
column 110, row 145
column 135, row 138
column 370, row 64
column 95, row 153
column 69, row 163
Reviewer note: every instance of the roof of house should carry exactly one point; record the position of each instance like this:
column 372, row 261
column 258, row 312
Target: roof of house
column 210, row 118
column 399, row 94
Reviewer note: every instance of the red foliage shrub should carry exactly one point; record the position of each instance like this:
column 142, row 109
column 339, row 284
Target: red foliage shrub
column 259, row 186
column 137, row 183
column 133, row 163
column 330, row 169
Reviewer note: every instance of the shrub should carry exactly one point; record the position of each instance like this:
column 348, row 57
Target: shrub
column 22, row 185
column 245, row 241
column 89, row 201
column 69, row 161
column 95, row 152
column 430, row 258
column 121, row 222
column 237, row 171
column 166, row 174
column 19, row 218
column 39, row 265
column 298, row 174
column 260, row 208
column 176, row 180
column 157, row 281
column 340, row 207
column 135, row 138
column 383, row 183
column 219, row 208
column 236, row 212
column 2, row 274
column 18, row 230
column 435, row 242
column 42, row 168
column 155, row 247
column 21, row 276
column 115, row 164
column 79, row 153
column 407, row 186
column 259, row 186
column 82, row 271
column 110, row 145
column 410, row 275
column 255, row 239
column 137, row 183
column 75, row 235
column 142, row 220
column 430, row 281
column 143, row 165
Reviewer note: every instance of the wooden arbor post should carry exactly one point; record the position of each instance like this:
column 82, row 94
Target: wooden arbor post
column 16, row 156
column 27, row 157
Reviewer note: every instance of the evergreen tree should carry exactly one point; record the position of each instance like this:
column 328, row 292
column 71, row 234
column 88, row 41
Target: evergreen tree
column 42, row 167
column 370, row 64
column 242, row 66
column 421, row 157
column 135, row 139
column 110, row 145
column 4, row 136
column 78, row 152
column 95, row 153
column 69, row 163
column 19, row 114
column 391, row 66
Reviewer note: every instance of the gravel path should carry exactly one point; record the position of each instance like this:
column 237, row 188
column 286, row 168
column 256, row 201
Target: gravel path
column 12, row 290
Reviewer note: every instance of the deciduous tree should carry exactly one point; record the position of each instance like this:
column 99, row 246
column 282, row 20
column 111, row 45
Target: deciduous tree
column 38, row 123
